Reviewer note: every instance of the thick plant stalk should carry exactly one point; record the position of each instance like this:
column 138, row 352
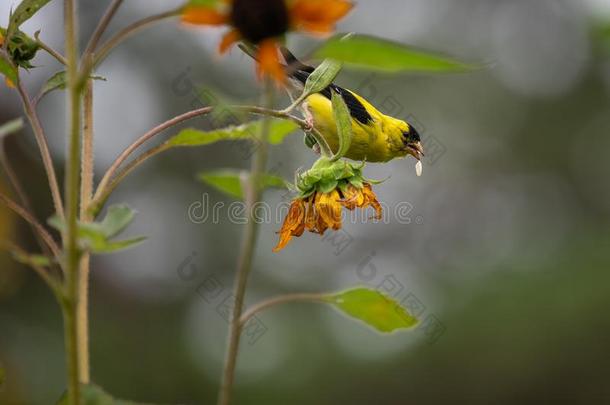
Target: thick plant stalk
column 87, row 163
column 253, row 194
column 72, row 194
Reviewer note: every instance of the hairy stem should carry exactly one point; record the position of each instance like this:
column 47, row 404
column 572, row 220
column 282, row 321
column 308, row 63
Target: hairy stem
column 72, row 194
column 23, row 197
column 283, row 299
column 86, row 192
column 44, row 274
column 253, row 193
column 102, row 26
column 120, row 176
column 59, row 57
column 43, row 146
column 42, row 232
column 109, row 182
column 126, row 33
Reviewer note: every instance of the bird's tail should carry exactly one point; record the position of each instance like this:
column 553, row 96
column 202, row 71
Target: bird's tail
column 294, row 68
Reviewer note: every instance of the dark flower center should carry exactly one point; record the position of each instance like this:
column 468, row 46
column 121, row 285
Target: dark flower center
column 257, row 20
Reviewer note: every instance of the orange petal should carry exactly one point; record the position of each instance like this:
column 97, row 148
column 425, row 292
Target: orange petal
column 9, row 83
column 317, row 28
column 228, row 40
column 293, row 224
column 203, row 16
column 285, row 238
column 329, row 208
column 371, row 200
column 269, row 62
column 311, row 216
column 353, row 197
column 319, row 16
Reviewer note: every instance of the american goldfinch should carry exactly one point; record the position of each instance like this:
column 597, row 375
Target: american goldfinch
column 376, row 137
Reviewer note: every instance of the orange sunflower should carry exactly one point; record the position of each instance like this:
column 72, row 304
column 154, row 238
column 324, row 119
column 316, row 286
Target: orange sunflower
column 265, row 22
column 324, row 191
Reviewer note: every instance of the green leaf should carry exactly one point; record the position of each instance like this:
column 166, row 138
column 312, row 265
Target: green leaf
column 23, row 12
column 226, row 181
column 58, row 82
column 322, row 77
column 11, row 127
column 32, row 259
column 95, row 236
column 8, row 69
column 373, row 308
column 116, row 220
column 203, row 3
column 100, row 246
column 382, row 55
column 344, row 124
column 278, row 130
column 196, row 137
column 230, row 181
column 91, row 394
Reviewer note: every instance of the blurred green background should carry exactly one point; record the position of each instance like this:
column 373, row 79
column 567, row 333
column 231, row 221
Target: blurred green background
column 505, row 257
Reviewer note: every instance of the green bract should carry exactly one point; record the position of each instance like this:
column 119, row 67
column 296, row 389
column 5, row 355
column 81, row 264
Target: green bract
column 326, row 175
column 21, row 48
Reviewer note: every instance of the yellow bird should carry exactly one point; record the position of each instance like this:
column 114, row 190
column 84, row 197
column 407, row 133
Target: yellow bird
column 376, row 137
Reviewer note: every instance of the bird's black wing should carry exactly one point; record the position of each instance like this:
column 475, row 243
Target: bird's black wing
column 300, row 71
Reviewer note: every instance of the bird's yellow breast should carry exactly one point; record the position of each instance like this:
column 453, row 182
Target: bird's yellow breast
column 377, row 141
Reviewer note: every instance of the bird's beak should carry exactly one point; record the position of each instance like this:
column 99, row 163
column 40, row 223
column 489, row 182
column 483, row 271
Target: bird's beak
column 416, row 150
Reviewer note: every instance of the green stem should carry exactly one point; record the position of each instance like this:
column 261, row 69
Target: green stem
column 86, row 191
column 43, row 146
column 70, row 344
column 253, row 194
column 23, row 197
column 44, row 273
column 126, row 33
column 101, row 27
column 284, row 299
column 29, row 218
column 109, row 181
column 59, row 57
column 72, row 186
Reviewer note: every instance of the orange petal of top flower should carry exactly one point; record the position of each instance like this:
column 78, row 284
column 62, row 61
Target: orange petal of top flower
column 228, row 40
column 204, row 16
column 269, row 61
column 318, row 16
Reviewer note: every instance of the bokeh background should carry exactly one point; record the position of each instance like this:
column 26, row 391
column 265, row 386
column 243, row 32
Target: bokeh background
column 505, row 257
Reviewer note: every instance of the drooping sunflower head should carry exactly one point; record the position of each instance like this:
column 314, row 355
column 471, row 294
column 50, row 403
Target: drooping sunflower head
column 324, row 191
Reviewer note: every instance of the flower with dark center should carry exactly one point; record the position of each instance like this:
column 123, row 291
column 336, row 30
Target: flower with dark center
column 264, row 23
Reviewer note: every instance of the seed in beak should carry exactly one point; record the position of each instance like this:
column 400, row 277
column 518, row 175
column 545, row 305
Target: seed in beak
column 418, row 168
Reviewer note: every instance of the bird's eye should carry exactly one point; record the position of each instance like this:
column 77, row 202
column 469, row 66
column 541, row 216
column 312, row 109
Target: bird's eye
column 411, row 135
